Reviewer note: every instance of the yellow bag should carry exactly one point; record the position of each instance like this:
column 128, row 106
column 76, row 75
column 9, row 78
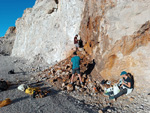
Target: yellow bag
column 31, row 90
column 5, row 102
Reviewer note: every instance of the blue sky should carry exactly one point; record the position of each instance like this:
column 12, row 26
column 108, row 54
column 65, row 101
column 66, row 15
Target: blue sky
column 10, row 10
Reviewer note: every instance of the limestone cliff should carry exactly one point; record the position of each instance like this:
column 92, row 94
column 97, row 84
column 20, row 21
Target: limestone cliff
column 48, row 30
column 117, row 33
column 114, row 32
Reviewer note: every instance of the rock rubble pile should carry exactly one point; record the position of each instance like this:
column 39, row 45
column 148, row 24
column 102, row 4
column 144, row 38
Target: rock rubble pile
column 91, row 92
column 59, row 75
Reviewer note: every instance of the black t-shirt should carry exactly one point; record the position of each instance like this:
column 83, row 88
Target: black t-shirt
column 128, row 80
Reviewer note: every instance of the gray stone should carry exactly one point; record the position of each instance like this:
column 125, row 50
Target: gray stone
column 109, row 110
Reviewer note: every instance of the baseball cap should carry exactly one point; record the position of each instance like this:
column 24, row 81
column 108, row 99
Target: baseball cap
column 123, row 73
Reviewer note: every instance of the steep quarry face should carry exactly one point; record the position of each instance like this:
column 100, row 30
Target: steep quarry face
column 116, row 34
column 48, row 30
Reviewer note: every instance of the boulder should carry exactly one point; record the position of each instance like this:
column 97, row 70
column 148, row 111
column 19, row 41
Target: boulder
column 70, row 87
column 100, row 111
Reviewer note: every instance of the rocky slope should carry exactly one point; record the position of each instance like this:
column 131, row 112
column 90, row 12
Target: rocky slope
column 58, row 76
column 115, row 33
column 7, row 42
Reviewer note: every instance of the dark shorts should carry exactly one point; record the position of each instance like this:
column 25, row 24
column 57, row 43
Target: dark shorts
column 76, row 70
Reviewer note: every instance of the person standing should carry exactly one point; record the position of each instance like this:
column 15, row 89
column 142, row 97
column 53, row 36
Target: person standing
column 76, row 42
column 75, row 60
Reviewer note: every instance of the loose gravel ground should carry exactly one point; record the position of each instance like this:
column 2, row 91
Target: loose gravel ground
column 61, row 101
column 55, row 102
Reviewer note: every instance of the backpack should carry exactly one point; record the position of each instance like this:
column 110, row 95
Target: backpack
column 3, row 85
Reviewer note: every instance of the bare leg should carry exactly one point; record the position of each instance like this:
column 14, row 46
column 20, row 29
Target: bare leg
column 80, row 78
column 72, row 78
column 76, row 48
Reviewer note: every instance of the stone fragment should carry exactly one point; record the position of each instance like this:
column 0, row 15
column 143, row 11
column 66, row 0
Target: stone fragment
column 100, row 111
column 32, row 78
column 87, row 80
column 58, row 72
column 131, row 99
column 77, row 87
column 64, row 80
column 67, row 73
column 63, row 73
column 59, row 79
column 68, row 66
column 63, row 84
column 52, row 80
column 90, row 85
column 70, row 87
column 53, row 71
column 109, row 110
column 43, row 76
column 88, row 90
column 95, row 90
column 75, row 78
column 82, row 89
column 63, row 88
column 78, row 82
column 84, row 76
column 49, row 74
column 83, row 80
column 46, row 70
column 145, row 100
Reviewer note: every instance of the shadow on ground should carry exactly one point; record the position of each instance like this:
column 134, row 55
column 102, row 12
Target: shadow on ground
column 19, row 99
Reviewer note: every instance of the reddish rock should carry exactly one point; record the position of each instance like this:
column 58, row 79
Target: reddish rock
column 87, row 80
column 83, row 80
column 69, row 87
column 49, row 74
column 64, row 79
column 95, row 90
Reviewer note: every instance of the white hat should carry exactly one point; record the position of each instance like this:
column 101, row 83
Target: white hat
column 78, row 37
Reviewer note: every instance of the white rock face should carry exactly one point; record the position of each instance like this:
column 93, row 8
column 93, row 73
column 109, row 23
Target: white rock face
column 48, row 30
column 141, row 69
column 125, row 19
